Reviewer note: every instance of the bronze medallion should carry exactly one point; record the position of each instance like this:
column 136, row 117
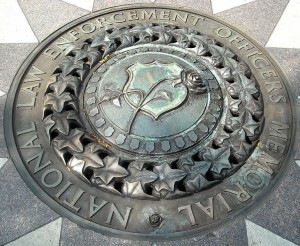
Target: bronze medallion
column 150, row 122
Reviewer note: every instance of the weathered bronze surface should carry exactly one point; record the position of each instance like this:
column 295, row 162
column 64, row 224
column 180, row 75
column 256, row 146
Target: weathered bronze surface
column 150, row 123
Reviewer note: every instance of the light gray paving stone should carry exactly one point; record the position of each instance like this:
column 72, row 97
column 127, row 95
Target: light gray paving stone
column 198, row 5
column 258, row 236
column 12, row 56
column 289, row 60
column 3, row 161
column 100, row 4
column 73, row 234
column 3, row 149
column 286, row 34
column 222, row 5
column 257, row 18
column 46, row 16
column 47, row 235
column 86, row 4
column 17, row 29
column 20, row 210
column 280, row 213
column 232, row 234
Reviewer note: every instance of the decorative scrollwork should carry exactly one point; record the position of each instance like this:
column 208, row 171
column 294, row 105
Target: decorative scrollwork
column 100, row 167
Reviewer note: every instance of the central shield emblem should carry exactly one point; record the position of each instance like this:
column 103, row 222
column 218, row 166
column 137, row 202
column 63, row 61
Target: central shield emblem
column 155, row 88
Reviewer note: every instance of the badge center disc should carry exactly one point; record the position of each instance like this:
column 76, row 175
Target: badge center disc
column 134, row 99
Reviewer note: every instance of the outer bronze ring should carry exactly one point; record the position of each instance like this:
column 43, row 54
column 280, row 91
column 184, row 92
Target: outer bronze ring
column 14, row 153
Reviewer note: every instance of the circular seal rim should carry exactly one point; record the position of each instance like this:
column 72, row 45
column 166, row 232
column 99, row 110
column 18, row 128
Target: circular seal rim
column 44, row 197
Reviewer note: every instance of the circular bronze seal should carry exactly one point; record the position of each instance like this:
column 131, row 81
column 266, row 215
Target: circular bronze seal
column 150, row 122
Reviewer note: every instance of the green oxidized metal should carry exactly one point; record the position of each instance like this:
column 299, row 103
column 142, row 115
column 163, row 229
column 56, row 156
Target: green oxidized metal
column 150, row 122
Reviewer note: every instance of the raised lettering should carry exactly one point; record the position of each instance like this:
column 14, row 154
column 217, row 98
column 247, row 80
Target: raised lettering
column 53, row 54
column 148, row 15
column 30, row 143
column 209, row 210
column 277, row 98
column 254, row 179
column 29, row 86
column 269, row 74
column 63, row 189
column 223, row 32
column 246, row 46
column 132, row 15
column 189, row 212
column 224, row 202
column 119, row 19
column 87, row 28
column 242, row 195
column 73, row 34
column 94, row 208
column 78, row 193
column 264, row 160
column 273, row 85
column 260, row 62
column 32, row 128
column 123, row 220
column 275, row 146
column 236, row 39
column 278, row 129
column 32, row 75
column 63, row 43
column 102, row 22
column 164, row 15
column 54, row 182
column 182, row 17
column 38, row 165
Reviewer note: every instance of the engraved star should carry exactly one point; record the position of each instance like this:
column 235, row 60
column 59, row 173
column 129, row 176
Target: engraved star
column 90, row 156
column 86, row 51
column 77, row 166
column 104, row 41
column 111, row 170
column 163, row 33
column 144, row 30
column 248, row 87
column 134, row 189
column 62, row 83
column 167, row 177
column 234, row 105
column 195, row 180
column 126, row 37
column 219, row 54
column 48, row 124
column 218, row 157
column 220, row 137
column 143, row 176
column 134, row 183
column 240, row 148
column 61, row 120
column 70, row 64
column 237, row 67
column 234, row 123
column 255, row 108
column 71, row 141
column 201, row 44
column 184, row 36
column 56, row 101
column 250, row 125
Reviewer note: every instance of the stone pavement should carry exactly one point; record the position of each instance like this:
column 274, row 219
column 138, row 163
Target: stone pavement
column 25, row 220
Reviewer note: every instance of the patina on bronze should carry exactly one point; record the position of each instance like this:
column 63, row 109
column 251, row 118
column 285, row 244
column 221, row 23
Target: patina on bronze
column 150, row 122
